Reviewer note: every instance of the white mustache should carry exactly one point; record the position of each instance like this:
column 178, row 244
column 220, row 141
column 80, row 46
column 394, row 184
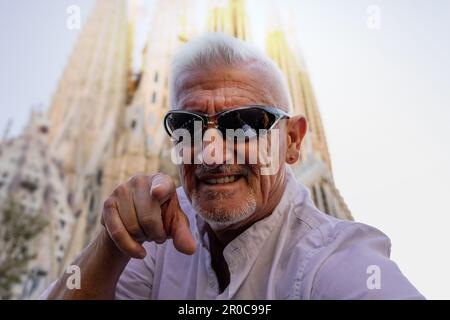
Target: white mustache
column 228, row 169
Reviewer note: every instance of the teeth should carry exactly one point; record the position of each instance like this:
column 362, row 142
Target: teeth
column 227, row 179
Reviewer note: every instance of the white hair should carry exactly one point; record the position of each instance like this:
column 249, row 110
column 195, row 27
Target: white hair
column 213, row 50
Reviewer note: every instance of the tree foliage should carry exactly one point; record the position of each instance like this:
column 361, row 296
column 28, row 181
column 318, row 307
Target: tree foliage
column 17, row 229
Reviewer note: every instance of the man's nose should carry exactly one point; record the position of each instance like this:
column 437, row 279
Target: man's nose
column 215, row 151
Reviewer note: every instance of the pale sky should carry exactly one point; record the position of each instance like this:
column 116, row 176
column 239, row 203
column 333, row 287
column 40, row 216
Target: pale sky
column 384, row 96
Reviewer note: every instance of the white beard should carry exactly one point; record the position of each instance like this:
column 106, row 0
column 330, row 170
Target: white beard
column 222, row 217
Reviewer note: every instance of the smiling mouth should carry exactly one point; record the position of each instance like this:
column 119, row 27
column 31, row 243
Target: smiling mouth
column 222, row 180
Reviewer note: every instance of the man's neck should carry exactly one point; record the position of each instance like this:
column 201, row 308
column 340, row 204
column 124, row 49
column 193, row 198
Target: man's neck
column 219, row 239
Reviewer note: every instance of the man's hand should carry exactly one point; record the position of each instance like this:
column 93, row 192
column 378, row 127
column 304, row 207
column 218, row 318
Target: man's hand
column 146, row 208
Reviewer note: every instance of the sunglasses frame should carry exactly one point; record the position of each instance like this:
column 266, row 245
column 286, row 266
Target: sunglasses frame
column 212, row 119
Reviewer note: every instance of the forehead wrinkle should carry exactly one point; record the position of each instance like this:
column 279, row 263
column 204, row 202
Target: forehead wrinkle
column 200, row 101
column 248, row 77
column 228, row 90
column 225, row 83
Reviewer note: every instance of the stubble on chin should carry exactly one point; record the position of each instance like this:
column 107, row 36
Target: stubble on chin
column 222, row 213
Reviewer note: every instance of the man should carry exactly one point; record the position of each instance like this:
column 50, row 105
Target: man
column 230, row 231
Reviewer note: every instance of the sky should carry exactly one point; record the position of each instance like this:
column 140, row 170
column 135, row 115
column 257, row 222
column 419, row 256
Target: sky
column 383, row 93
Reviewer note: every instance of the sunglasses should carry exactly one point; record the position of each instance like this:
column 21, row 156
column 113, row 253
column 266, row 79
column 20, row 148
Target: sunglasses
column 247, row 120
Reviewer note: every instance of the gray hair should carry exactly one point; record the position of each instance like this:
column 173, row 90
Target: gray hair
column 215, row 49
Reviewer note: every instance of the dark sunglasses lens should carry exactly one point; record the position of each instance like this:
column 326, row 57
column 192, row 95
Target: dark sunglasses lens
column 175, row 121
column 249, row 120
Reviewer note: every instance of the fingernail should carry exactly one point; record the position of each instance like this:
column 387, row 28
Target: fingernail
column 154, row 185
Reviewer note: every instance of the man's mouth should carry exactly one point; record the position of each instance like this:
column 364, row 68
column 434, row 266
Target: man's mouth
column 222, row 180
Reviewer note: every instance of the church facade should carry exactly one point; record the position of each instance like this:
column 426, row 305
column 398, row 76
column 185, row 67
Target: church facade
column 104, row 123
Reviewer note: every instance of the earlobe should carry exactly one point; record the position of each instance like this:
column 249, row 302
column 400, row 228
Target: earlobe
column 292, row 158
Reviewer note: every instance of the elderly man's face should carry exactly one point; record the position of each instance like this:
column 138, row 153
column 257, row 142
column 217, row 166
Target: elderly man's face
column 250, row 195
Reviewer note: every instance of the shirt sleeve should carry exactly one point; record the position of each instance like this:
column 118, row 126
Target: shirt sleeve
column 355, row 264
column 136, row 280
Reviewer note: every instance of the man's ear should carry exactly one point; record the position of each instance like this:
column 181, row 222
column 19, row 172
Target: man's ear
column 295, row 130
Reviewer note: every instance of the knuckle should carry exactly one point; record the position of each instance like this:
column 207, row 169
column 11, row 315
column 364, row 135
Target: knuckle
column 120, row 191
column 135, row 231
column 148, row 220
column 109, row 204
column 134, row 181
column 160, row 239
column 159, row 236
column 153, row 227
column 138, row 180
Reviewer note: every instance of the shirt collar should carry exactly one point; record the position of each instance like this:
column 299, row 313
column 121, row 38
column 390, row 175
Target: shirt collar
column 242, row 251
column 294, row 192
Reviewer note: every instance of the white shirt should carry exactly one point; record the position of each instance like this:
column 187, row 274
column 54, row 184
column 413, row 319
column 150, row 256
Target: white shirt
column 297, row 252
